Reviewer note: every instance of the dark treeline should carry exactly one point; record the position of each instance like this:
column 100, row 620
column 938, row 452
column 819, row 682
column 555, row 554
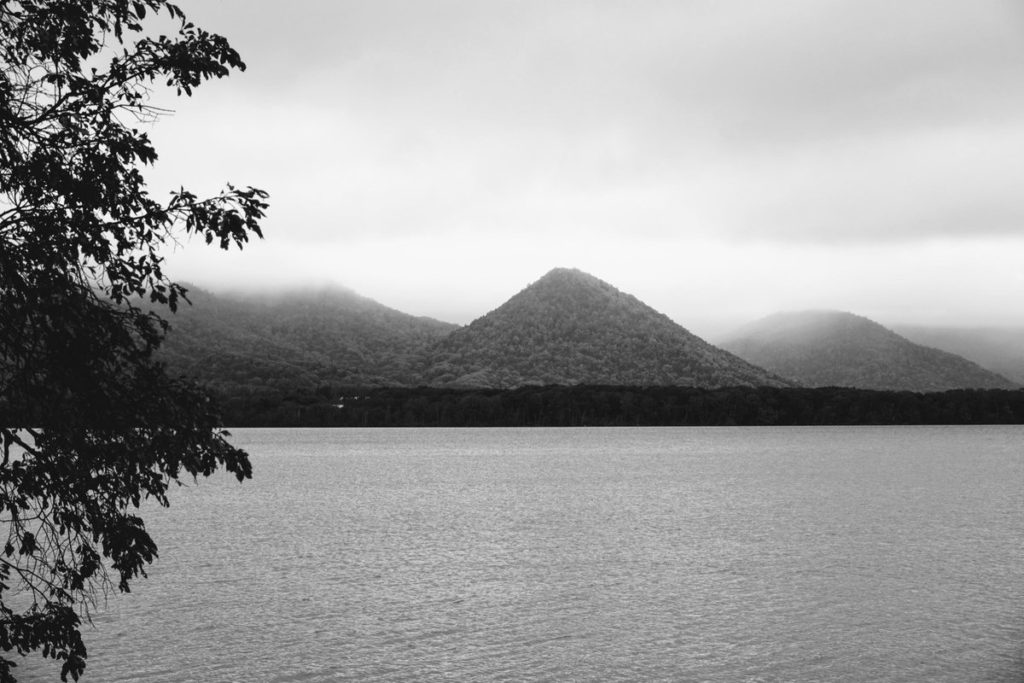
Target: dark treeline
column 551, row 406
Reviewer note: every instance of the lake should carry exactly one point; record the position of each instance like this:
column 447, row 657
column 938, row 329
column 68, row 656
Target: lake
column 601, row 554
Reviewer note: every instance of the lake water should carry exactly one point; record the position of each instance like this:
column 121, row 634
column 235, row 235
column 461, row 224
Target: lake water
column 716, row 554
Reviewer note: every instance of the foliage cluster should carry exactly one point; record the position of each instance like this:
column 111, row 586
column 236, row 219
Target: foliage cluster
column 583, row 405
column 90, row 425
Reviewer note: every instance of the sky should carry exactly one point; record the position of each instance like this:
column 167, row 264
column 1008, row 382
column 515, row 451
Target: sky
column 720, row 160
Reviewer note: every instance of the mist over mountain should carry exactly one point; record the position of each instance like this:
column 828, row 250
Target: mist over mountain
column 999, row 349
column 832, row 348
column 567, row 328
column 296, row 339
column 572, row 328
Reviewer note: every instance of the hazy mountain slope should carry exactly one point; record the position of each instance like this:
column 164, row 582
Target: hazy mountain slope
column 831, row 348
column 999, row 349
column 572, row 328
column 299, row 339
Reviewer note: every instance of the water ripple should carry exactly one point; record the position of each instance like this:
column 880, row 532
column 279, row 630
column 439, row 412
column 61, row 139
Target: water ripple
column 587, row 555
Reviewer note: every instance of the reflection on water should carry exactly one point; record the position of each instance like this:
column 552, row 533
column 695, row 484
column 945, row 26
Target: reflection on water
column 591, row 554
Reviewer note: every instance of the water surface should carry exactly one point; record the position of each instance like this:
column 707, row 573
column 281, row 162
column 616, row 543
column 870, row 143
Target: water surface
column 714, row 554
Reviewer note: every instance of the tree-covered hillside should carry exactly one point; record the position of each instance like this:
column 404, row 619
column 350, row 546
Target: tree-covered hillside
column 299, row 340
column 572, row 328
column 999, row 349
column 832, row 348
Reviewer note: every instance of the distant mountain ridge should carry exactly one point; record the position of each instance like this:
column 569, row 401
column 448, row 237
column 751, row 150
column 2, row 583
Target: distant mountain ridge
column 834, row 348
column 297, row 339
column 572, row 328
column 566, row 328
column 999, row 349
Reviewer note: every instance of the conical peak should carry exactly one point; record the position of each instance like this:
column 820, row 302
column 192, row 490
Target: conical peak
column 570, row 279
column 570, row 287
column 569, row 327
column 568, row 275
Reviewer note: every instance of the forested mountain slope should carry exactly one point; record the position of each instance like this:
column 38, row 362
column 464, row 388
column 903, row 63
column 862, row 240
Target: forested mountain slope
column 832, row 348
column 300, row 339
column 572, row 328
column 999, row 349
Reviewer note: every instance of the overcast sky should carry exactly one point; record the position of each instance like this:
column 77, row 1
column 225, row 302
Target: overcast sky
column 719, row 159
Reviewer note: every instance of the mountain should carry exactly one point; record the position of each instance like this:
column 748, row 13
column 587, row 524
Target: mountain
column 572, row 328
column 832, row 348
column 300, row 339
column 999, row 349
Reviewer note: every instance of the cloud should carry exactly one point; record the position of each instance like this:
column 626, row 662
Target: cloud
column 812, row 120
column 467, row 131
